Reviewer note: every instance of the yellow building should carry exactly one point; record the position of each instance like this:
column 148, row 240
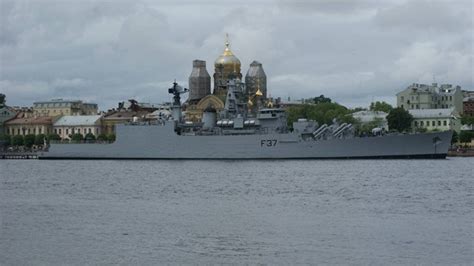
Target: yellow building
column 26, row 123
column 77, row 124
column 194, row 112
column 58, row 107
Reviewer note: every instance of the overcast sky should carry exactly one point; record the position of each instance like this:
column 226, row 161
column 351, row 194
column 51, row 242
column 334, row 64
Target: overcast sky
column 353, row 51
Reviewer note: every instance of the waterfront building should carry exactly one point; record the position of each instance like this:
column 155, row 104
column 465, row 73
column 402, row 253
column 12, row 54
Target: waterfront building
column 6, row 113
column 59, row 107
column 367, row 116
column 422, row 96
column 25, row 123
column 436, row 119
column 68, row 125
column 468, row 106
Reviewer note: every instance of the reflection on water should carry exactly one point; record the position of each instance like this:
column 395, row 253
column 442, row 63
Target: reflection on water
column 201, row 212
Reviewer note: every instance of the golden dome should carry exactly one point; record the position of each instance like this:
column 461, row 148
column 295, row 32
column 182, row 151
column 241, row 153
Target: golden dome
column 227, row 58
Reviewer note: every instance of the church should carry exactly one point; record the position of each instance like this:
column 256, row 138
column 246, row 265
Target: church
column 226, row 67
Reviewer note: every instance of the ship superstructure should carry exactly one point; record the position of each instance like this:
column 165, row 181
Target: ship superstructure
column 241, row 131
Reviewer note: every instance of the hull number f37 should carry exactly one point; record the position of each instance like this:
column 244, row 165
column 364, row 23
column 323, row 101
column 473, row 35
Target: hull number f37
column 268, row 142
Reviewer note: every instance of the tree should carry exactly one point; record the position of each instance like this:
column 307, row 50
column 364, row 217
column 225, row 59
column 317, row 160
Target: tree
column 381, row 106
column 53, row 137
column 77, row 137
column 455, row 138
column 321, row 99
column 18, row 140
column 399, row 119
column 465, row 136
column 366, row 128
column 323, row 113
column 111, row 137
column 5, row 139
column 467, row 120
column 29, row 140
column 2, row 99
column 89, row 137
column 39, row 139
column 102, row 137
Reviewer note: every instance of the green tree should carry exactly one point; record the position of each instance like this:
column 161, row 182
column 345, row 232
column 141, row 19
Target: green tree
column 111, row 137
column 323, row 113
column 367, row 127
column 77, row 137
column 18, row 140
column 321, row 99
column 102, row 137
column 89, row 137
column 5, row 139
column 39, row 139
column 465, row 136
column 358, row 109
column 29, row 140
column 381, row 106
column 467, row 120
column 399, row 119
column 455, row 138
column 53, row 137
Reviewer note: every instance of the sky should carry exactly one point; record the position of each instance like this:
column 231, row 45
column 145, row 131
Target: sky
column 353, row 51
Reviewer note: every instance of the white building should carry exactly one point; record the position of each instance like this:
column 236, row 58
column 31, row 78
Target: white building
column 366, row 117
column 422, row 96
column 72, row 124
column 436, row 119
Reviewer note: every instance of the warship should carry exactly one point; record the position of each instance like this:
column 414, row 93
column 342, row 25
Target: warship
column 242, row 131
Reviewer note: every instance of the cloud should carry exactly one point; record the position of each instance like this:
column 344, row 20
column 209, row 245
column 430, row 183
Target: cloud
column 427, row 15
column 352, row 51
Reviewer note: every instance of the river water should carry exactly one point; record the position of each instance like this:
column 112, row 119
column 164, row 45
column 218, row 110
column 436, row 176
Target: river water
column 358, row 212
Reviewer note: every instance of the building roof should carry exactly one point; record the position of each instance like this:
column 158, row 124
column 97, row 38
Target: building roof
column 368, row 116
column 125, row 114
column 77, row 120
column 24, row 118
column 433, row 113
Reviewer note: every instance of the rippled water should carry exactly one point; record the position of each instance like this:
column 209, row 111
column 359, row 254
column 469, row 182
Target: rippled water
column 242, row 212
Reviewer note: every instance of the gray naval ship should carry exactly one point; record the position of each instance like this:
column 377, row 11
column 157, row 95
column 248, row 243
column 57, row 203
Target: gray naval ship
column 238, row 133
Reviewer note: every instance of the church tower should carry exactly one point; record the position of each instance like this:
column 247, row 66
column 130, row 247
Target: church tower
column 226, row 66
column 256, row 79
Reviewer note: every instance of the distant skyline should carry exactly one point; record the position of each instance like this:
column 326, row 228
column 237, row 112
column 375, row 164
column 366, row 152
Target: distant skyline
column 353, row 51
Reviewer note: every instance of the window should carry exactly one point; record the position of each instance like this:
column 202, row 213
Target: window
column 416, row 123
column 67, row 131
column 433, row 123
column 417, row 106
column 439, row 123
column 421, row 123
column 59, row 131
column 450, row 98
column 90, row 130
column 444, row 123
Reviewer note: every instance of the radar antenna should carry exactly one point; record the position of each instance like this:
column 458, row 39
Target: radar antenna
column 177, row 90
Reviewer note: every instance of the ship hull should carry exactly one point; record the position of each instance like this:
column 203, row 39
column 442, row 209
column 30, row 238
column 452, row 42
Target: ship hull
column 161, row 142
